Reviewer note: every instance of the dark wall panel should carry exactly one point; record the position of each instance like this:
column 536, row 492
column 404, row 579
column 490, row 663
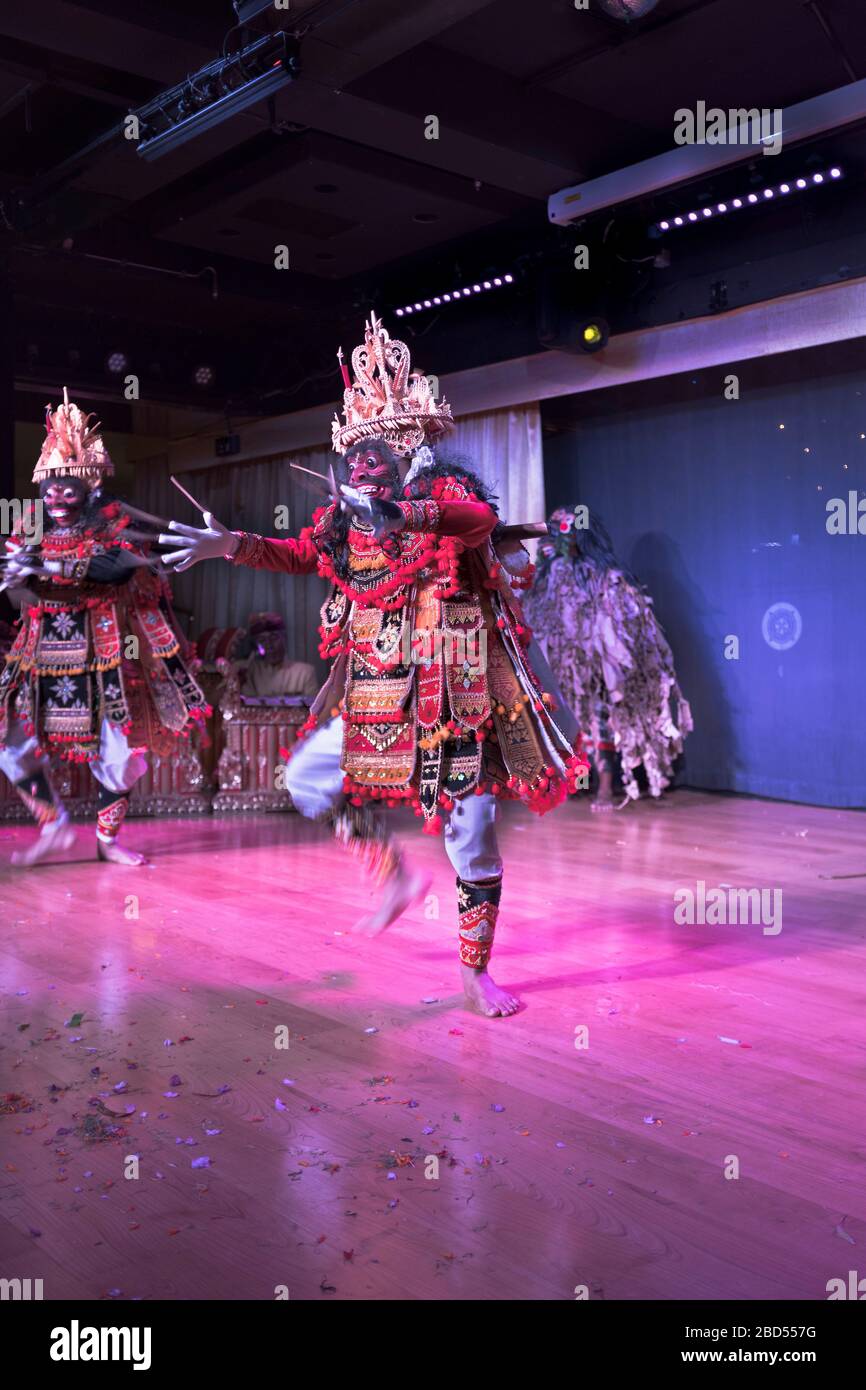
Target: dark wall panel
column 722, row 514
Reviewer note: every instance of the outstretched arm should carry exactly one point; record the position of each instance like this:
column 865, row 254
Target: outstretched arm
column 215, row 541
column 470, row 522
column 295, row 555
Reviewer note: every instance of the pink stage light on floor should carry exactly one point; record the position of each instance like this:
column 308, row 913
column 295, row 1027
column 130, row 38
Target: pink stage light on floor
column 831, row 175
column 496, row 282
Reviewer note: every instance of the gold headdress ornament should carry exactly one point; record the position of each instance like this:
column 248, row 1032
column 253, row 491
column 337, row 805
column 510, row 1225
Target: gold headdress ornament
column 72, row 448
column 385, row 401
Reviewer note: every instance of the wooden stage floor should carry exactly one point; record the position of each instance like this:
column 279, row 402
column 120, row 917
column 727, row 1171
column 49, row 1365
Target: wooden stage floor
column 560, row 1166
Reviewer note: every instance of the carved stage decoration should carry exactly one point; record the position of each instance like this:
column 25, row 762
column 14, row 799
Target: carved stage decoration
column 253, row 730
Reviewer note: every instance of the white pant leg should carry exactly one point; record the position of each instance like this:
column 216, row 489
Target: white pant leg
column 314, row 778
column 118, row 768
column 19, row 758
column 470, row 838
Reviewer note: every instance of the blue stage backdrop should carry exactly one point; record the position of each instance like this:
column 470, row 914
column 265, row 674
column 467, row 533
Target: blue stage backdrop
column 720, row 508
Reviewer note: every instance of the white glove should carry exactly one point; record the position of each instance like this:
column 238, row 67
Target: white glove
column 384, row 517
column 18, row 567
column 212, row 543
column 19, row 564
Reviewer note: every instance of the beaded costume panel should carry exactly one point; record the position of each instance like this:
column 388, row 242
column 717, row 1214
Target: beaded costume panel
column 73, row 663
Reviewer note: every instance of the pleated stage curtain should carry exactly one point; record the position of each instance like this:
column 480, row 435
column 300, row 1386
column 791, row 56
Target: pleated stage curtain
column 504, row 447
column 244, row 497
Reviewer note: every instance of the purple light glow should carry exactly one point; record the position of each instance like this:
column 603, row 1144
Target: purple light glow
column 750, row 199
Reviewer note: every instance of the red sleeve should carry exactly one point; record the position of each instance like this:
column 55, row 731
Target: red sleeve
column 471, row 522
column 293, row 556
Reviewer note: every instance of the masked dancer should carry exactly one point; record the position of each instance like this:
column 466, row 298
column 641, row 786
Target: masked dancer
column 431, row 700
column 608, row 654
column 97, row 673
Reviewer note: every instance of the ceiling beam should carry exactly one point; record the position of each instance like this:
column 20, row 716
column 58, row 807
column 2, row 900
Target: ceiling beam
column 315, row 99
column 829, row 314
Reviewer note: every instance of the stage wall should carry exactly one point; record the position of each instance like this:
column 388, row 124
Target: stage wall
column 722, row 514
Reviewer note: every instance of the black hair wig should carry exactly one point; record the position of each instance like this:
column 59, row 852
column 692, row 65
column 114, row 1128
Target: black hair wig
column 451, row 466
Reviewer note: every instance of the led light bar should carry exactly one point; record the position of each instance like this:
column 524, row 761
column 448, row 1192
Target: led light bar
column 465, row 292
column 747, row 200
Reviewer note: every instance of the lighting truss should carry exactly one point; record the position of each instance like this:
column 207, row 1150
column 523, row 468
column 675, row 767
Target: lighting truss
column 216, row 93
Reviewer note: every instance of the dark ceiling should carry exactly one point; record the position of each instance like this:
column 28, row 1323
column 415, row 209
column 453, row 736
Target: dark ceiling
column 529, row 96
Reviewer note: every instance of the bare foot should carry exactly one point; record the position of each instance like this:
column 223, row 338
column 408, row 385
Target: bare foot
column 487, row 997
column 403, row 889
column 55, row 836
column 604, row 796
column 113, row 853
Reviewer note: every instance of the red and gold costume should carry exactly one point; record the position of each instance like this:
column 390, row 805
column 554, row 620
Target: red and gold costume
column 432, row 699
column 430, row 673
column 69, row 668
column 98, row 672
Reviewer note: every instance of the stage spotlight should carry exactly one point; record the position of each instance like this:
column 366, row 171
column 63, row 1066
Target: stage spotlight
column 203, row 375
column 593, row 335
column 116, row 362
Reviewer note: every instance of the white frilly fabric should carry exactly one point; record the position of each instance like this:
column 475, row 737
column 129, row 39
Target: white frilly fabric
column 614, row 665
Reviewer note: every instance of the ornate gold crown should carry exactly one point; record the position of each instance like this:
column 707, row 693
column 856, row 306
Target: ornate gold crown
column 72, row 448
column 385, row 401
